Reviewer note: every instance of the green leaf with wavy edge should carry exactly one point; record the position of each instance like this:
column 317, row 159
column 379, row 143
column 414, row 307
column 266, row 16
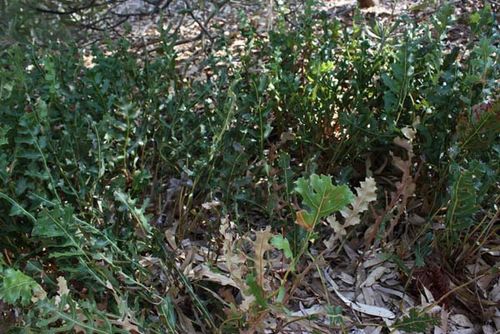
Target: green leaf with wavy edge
column 321, row 197
column 283, row 244
column 129, row 204
column 18, row 286
column 57, row 222
column 66, row 315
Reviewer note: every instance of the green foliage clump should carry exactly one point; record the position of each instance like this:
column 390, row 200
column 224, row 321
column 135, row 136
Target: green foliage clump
column 96, row 161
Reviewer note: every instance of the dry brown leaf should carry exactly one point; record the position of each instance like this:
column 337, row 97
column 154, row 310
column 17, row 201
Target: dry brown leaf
column 374, row 276
column 38, row 294
column 62, row 286
column 496, row 319
column 409, row 132
column 227, row 295
column 396, row 293
column 461, row 320
column 170, row 237
column 62, row 289
column 234, row 261
column 495, row 293
column 338, row 232
column 487, row 329
column 366, row 193
column 373, row 261
column 204, row 272
column 301, row 221
column 211, row 205
column 444, row 316
column 363, row 308
column 313, row 310
column 261, row 245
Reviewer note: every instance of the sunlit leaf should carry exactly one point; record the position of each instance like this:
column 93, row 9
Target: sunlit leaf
column 16, row 286
column 321, row 197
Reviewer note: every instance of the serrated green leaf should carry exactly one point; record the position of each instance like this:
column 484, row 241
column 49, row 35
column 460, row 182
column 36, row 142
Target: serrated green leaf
column 415, row 322
column 18, row 286
column 129, row 205
column 3, row 135
column 470, row 186
column 67, row 314
column 463, row 196
column 256, row 291
column 168, row 312
column 54, row 223
column 321, row 197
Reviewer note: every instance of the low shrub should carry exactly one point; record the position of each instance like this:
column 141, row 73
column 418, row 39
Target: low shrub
column 99, row 158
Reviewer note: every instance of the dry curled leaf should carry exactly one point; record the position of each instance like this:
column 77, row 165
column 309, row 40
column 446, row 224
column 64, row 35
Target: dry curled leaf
column 62, row 286
column 338, row 232
column 301, row 221
column 205, row 273
column 233, row 259
column 261, row 245
column 363, row 308
column 62, row 289
column 366, row 193
column 374, row 276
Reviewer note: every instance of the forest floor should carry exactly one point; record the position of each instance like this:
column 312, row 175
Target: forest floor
column 196, row 25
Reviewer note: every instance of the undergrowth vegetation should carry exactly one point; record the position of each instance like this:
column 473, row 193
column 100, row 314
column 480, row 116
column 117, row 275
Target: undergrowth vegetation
column 115, row 174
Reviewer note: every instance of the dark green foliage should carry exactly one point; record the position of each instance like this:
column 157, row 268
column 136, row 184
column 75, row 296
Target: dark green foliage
column 96, row 162
column 470, row 187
